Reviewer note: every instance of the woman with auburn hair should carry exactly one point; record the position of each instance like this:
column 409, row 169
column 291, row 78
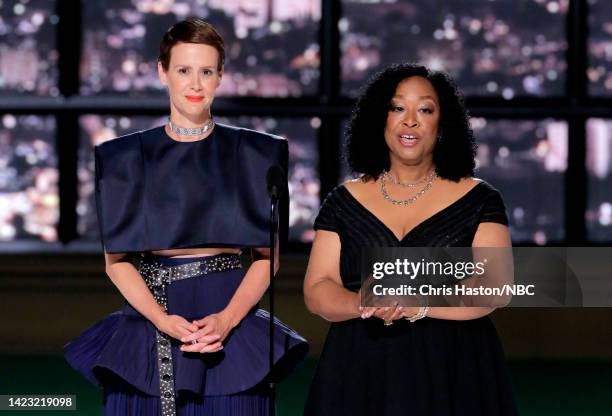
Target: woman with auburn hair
column 181, row 200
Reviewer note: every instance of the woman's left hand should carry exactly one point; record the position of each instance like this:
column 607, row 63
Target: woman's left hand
column 215, row 324
column 389, row 314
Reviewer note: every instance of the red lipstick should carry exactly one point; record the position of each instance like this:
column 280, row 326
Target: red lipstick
column 194, row 98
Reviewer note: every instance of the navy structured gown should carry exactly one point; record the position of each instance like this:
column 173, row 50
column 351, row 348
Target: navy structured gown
column 432, row 367
column 154, row 193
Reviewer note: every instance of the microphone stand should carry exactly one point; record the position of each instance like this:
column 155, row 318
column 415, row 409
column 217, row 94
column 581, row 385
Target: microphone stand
column 273, row 235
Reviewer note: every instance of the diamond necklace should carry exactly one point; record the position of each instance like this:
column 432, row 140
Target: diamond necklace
column 408, row 185
column 410, row 200
column 191, row 131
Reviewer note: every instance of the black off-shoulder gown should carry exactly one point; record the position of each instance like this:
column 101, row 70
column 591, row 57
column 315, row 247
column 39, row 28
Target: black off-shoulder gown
column 432, row 367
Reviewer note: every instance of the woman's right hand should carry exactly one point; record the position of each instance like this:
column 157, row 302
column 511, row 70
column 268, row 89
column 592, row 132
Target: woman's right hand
column 175, row 326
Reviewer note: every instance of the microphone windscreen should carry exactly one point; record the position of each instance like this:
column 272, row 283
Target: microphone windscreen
column 276, row 181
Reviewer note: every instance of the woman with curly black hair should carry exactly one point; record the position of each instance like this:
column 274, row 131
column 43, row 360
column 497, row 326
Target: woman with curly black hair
column 409, row 138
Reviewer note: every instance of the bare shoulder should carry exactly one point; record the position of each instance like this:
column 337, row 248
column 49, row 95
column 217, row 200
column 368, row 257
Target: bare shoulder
column 470, row 182
column 358, row 186
column 352, row 184
column 461, row 187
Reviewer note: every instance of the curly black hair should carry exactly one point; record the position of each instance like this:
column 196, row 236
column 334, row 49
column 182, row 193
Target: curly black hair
column 366, row 150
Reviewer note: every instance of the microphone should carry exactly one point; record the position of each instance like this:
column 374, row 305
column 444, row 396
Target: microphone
column 276, row 181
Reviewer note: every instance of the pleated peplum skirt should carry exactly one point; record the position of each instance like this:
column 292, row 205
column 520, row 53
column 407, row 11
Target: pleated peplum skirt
column 119, row 353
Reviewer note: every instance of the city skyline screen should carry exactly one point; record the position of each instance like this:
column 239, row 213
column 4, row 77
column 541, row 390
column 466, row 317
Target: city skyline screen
column 273, row 50
column 271, row 47
column 28, row 48
column 599, row 174
column 599, row 71
column 29, row 195
column 491, row 50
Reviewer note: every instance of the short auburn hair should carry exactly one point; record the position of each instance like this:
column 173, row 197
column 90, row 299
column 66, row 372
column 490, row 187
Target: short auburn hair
column 191, row 30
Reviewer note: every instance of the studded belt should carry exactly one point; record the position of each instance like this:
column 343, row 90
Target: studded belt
column 158, row 277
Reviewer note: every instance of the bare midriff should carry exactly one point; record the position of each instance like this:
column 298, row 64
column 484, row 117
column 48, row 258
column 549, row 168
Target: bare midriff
column 195, row 252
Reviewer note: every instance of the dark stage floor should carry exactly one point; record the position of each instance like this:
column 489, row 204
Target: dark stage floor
column 543, row 387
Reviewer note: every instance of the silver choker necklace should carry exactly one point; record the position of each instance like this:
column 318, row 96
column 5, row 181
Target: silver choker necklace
column 191, row 131
column 431, row 178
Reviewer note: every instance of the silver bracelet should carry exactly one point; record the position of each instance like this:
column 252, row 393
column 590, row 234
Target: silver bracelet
column 421, row 314
column 423, row 309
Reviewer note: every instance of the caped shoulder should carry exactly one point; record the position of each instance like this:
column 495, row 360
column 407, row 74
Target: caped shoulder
column 249, row 133
column 126, row 145
column 125, row 142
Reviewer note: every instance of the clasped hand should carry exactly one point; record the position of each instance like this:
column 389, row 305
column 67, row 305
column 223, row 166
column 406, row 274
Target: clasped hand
column 386, row 313
column 209, row 332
